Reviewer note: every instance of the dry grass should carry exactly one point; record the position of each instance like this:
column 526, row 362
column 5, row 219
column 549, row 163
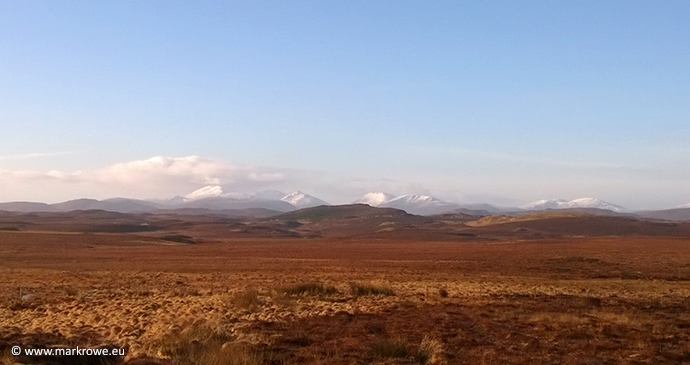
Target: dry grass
column 386, row 348
column 200, row 344
column 6, row 357
column 430, row 351
column 185, row 291
column 246, row 299
column 311, row 288
column 531, row 302
column 358, row 290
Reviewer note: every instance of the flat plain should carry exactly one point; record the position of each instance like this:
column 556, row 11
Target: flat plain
column 346, row 286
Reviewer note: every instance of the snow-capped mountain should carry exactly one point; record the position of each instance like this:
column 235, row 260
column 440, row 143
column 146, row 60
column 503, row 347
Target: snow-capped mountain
column 544, row 204
column 205, row 192
column 572, row 204
column 301, row 200
column 215, row 197
column 216, row 191
column 375, row 199
column 684, row 206
column 420, row 204
column 413, row 204
column 416, row 200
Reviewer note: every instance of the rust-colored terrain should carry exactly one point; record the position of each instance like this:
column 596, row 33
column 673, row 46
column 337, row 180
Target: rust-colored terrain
column 346, row 285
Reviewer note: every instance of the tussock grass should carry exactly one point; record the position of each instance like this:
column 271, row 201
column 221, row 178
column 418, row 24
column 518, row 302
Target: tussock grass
column 560, row 319
column 70, row 291
column 623, row 319
column 185, row 291
column 142, row 291
column 200, row 344
column 310, row 288
column 283, row 300
column 359, row 290
column 246, row 299
column 430, row 351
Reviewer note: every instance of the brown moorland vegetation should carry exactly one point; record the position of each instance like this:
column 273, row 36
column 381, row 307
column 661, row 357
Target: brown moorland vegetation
column 397, row 289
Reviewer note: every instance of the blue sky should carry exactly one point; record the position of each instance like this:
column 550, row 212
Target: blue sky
column 497, row 101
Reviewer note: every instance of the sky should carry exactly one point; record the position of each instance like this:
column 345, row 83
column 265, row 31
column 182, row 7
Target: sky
column 503, row 102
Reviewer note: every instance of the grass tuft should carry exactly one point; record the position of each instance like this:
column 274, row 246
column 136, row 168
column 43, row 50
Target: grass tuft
column 247, row 299
column 430, row 351
column 201, row 344
column 311, row 288
column 185, row 291
column 359, row 290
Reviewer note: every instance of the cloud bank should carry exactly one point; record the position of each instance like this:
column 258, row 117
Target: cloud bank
column 155, row 177
column 164, row 177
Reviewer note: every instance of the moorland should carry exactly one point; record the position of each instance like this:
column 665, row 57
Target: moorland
column 345, row 285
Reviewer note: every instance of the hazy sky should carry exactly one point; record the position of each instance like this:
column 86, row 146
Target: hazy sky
column 494, row 101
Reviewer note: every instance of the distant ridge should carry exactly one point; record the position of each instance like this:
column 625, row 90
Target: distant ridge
column 211, row 197
column 426, row 205
column 572, row 204
column 677, row 214
column 222, row 203
column 26, row 207
column 120, row 205
column 341, row 211
column 215, row 198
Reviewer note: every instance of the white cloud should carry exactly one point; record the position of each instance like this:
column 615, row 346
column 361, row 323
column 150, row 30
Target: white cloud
column 153, row 170
column 154, row 177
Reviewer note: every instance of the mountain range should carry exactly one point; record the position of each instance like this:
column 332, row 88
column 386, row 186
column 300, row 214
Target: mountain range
column 426, row 205
column 214, row 197
column 572, row 204
column 209, row 197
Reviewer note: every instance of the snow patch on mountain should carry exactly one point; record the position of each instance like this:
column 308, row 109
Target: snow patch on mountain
column 205, row 192
column 302, row 200
column 215, row 197
column 216, row 191
column 420, row 204
column 544, row 204
column 572, row 204
column 412, row 199
column 413, row 204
